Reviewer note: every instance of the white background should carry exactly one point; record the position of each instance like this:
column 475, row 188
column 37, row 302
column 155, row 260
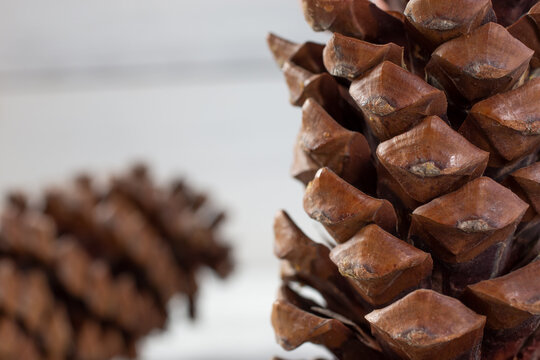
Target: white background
column 188, row 86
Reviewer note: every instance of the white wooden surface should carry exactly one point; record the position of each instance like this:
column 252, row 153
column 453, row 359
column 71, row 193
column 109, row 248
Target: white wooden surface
column 60, row 34
column 186, row 85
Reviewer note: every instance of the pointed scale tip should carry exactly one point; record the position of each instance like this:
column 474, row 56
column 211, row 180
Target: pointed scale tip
column 282, row 49
column 328, row 144
column 433, row 22
column 527, row 30
column 428, row 325
column 350, row 58
column 506, row 124
column 342, row 209
column 394, row 100
column 383, row 266
column 475, row 66
column 431, row 159
column 512, row 306
column 469, row 231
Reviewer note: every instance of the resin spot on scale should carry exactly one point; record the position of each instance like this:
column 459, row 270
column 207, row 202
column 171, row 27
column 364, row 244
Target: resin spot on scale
column 425, row 169
column 474, row 226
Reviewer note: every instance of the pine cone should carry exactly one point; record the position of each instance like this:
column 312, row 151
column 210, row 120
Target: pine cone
column 419, row 151
column 89, row 270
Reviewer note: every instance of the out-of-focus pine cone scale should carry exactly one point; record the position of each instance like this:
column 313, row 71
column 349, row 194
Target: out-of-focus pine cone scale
column 27, row 297
column 113, row 230
column 95, row 340
column 452, row 132
column 82, row 277
column 15, row 342
column 182, row 220
column 91, row 275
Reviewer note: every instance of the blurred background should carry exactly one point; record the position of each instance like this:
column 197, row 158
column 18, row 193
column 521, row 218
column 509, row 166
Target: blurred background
column 190, row 88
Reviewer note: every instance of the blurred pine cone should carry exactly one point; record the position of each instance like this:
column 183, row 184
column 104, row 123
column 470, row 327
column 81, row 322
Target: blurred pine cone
column 419, row 148
column 89, row 270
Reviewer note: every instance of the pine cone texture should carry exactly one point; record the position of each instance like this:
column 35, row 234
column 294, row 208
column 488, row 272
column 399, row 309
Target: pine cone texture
column 88, row 270
column 419, row 148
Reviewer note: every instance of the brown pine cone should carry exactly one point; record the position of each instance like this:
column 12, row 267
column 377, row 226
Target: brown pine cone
column 89, row 270
column 419, row 150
